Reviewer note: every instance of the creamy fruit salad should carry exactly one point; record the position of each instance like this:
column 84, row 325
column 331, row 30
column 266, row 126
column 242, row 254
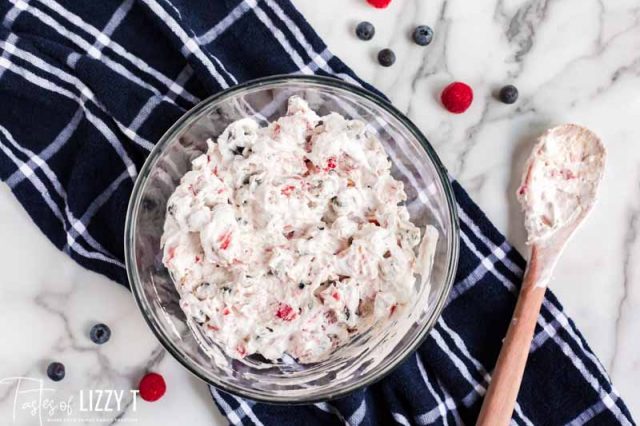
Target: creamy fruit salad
column 293, row 238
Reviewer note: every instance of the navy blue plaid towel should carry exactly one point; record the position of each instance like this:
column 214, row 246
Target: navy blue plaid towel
column 87, row 88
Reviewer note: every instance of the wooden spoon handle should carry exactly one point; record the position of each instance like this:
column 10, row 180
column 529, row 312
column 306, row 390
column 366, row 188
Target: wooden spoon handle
column 500, row 398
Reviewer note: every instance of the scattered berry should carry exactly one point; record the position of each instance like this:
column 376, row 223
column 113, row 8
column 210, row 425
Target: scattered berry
column 379, row 4
column 365, row 30
column 509, row 94
column 100, row 333
column 56, row 371
column 386, row 57
column 457, row 97
column 152, row 387
column 422, row 35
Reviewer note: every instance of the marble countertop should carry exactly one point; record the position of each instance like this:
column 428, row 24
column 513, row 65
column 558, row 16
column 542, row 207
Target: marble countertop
column 573, row 61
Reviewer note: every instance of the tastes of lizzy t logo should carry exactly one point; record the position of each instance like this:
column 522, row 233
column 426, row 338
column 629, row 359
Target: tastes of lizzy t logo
column 31, row 402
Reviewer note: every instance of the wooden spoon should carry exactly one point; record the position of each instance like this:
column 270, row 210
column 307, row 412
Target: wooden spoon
column 558, row 191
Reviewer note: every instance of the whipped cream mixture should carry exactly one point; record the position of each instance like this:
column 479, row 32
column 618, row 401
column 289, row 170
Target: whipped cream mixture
column 292, row 238
column 560, row 179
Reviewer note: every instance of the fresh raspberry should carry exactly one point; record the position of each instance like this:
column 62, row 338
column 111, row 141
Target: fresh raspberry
column 287, row 190
column 242, row 351
column 225, row 240
column 331, row 164
column 285, row 312
column 393, row 308
column 152, row 387
column 379, row 4
column 457, row 97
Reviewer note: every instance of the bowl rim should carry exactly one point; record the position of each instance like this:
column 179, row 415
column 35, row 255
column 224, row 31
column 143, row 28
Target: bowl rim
column 334, row 83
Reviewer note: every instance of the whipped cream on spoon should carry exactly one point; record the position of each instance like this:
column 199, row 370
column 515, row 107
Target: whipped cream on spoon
column 557, row 192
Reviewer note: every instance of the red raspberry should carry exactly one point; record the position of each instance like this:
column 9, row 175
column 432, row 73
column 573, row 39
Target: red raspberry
column 457, row 97
column 285, row 312
column 225, row 240
column 152, row 387
column 379, row 4
column 287, row 190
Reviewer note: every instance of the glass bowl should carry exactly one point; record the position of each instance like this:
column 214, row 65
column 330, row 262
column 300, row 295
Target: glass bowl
column 370, row 355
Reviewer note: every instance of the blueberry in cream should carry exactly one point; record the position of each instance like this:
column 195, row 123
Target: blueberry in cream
column 292, row 238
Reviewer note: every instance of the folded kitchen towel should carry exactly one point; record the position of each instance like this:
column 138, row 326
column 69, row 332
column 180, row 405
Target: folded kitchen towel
column 87, row 88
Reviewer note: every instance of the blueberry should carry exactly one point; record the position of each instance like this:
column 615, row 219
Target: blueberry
column 509, row 94
column 386, row 57
column 55, row 371
column 100, row 333
column 422, row 35
column 365, row 30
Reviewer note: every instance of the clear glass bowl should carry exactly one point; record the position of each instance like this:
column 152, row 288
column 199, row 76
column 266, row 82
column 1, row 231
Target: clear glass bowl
column 368, row 357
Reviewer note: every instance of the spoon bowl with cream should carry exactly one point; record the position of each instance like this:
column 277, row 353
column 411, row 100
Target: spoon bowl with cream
column 558, row 190
column 560, row 182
